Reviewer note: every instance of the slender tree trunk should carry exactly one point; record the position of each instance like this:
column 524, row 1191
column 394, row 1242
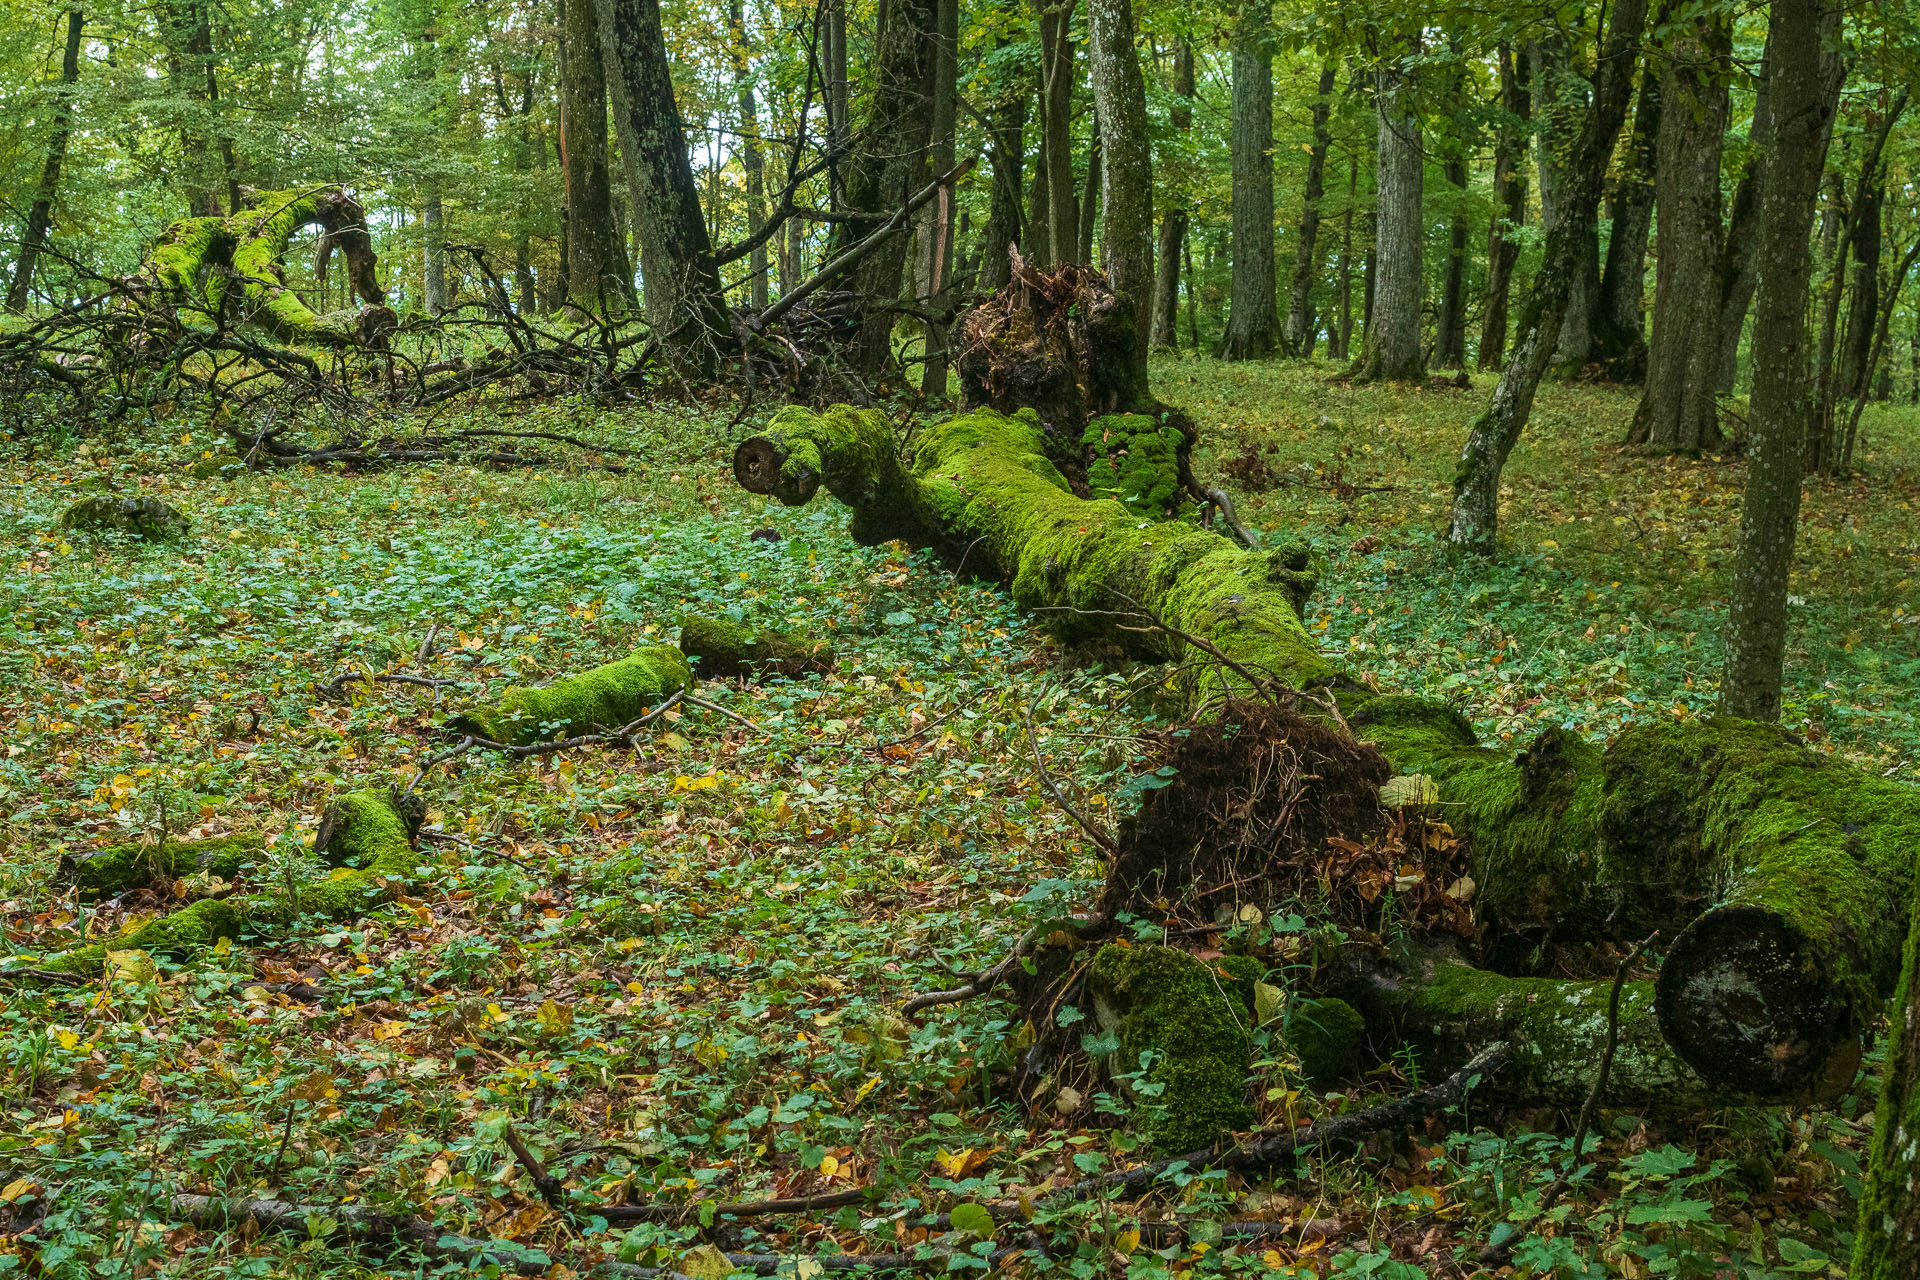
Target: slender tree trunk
column 837, row 99
column 1301, row 327
column 1475, row 519
column 751, row 158
column 1510, row 186
column 1253, row 319
column 1056, row 108
column 1090, row 201
column 40, row 215
column 936, row 219
column 433, row 280
column 596, row 259
column 1173, row 223
column 1618, row 329
column 682, row 280
column 1677, row 409
column 1559, row 102
column 1450, row 329
column 1126, row 191
column 1037, row 245
column 1006, row 138
column 1392, row 349
column 1340, row 336
column 1806, row 74
column 1863, row 305
column 1193, row 299
column 1740, row 257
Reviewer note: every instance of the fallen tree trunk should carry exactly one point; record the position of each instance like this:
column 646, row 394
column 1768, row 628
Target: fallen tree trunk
column 117, row 868
column 594, row 701
column 722, row 649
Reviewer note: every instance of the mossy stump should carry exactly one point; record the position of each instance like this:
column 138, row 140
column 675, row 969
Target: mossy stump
column 146, row 518
column 600, row 700
column 721, row 649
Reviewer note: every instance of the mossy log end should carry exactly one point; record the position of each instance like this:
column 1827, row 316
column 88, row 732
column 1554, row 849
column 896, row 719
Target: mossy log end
column 367, row 835
column 231, row 268
column 596, row 701
column 117, row 868
column 982, row 490
column 722, row 649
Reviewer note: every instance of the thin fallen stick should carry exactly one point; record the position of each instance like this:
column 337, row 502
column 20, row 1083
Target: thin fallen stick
column 551, row 1189
column 620, row 1214
column 1060, row 801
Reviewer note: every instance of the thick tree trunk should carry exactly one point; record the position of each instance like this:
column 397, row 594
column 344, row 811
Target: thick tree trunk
column 1740, row 254
column 1475, row 520
column 1560, row 102
column 1510, row 186
column 1253, row 319
column 1120, row 104
column 40, row 215
column 1173, row 223
column 751, row 158
column 1806, row 79
column 683, row 293
column 1056, row 113
column 1392, row 348
column 1677, row 409
column 1006, row 140
column 936, row 229
column 1301, row 326
column 1619, row 334
column 596, row 262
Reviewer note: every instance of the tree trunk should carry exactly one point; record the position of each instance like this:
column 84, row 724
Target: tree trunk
column 1475, row 520
column 836, row 97
column 1619, row 334
column 1392, row 349
column 1740, row 257
column 1806, row 79
column 1510, row 186
column 1253, row 319
column 1306, row 263
column 40, row 216
column 1126, row 190
column 1450, row 329
column 1559, row 101
column 1173, row 223
column 1039, row 237
column 936, row 220
column 1677, row 409
column 1006, row 140
column 1090, row 201
column 596, row 261
column 433, row 266
column 683, row 294
column 1340, row 336
column 751, row 158
column 187, row 32
column 1863, row 306
column 1056, row 113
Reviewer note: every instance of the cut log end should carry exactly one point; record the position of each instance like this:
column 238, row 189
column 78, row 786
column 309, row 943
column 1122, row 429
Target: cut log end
column 1745, row 1001
column 759, row 464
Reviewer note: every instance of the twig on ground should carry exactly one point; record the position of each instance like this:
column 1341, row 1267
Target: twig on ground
column 1065, row 806
column 335, row 688
column 551, row 1189
column 627, row 1213
column 702, row 703
column 981, row 983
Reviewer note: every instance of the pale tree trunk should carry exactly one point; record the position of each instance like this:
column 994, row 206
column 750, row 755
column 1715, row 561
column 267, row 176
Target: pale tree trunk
column 1740, row 256
column 1510, row 187
column 1126, row 191
column 676, row 255
column 1475, row 521
column 837, row 98
column 1173, row 223
column 1056, row 113
column 1253, row 319
column 936, row 219
column 1301, row 326
column 1619, row 331
column 1007, row 148
column 751, row 158
column 40, row 215
column 1392, row 349
column 597, row 275
column 433, row 232
column 1340, row 335
column 1090, row 201
column 1677, row 408
column 1806, row 74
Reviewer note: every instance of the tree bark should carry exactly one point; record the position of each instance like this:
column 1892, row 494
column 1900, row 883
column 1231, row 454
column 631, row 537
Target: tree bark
column 1056, row 113
column 1392, row 349
column 1340, row 336
column 1301, row 327
column 597, row 277
column 936, row 230
column 1677, row 409
column 1253, row 319
column 1475, row 520
column 1740, row 257
column 1510, row 186
column 1090, row 201
column 1449, row 329
column 1120, row 106
column 1806, row 76
column 433, row 253
column 1558, row 99
column 1618, row 329
column 187, row 33
column 683, row 294
column 40, row 215
column 1173, row 223
column 836, row 97
column 751, row 158
column 1006, row 139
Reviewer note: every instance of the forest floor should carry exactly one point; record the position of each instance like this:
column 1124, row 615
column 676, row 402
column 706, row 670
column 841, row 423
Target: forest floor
column 677, row 970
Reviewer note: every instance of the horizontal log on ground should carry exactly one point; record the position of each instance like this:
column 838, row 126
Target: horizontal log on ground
column 722, row 649
column 135, row 865
column 596, row 701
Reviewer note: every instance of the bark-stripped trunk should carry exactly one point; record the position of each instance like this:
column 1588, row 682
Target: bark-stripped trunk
column 1475, row 520
column 1677, row 409
column 1806, row 77
column 1618, row 332
column 683, row 294
column 1510, row 186
column 751, row 158
column 40, row 215
column 1392, row 348
column 1173, row 223
column 597, row 275
column 936, row 230
column 1253, row 319
column 1126, row 192
column 1301, row 325
column 1056, row 114
column 1740, row 256
column 1006, row 140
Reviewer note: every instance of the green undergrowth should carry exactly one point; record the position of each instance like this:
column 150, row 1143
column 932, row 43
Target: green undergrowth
column 677, row 970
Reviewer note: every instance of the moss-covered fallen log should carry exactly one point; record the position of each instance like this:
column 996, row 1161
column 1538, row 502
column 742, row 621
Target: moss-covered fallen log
column 367, row 836
column 722, row 649
column 1887, row 1235
column 600, row 700
column 135, row 865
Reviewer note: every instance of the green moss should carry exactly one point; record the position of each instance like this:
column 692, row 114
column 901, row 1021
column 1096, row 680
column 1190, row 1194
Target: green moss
column 722, row 649
column 1887, row 1241
column 595, row 701
column 1326, row 1034
column 129, row 866
column 1135, row 459
column 147, row 518
column 1163, row 1001
column 1240, row 975
column 177, row 934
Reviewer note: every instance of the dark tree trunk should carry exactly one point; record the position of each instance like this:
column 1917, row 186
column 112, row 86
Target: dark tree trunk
column 1510, row 187
column 936, row 219
column 1126, row 191
column 1392, row 348
column 1740, row 256
column 1677, row 409
column 1173, row 224
column 1090, row 201
column 1618, row 331
column 1806, row 75
column 1038, row 240
column 1301, row 327
column 597, row 277
column 40, row 215
column 1253, row 319
column 1056, row 113
column 836, row 97
column 1863, row 306
column 1450, row 329
column 1475, row 519
column 751, row 158
column 1006, row 140
column 187, row 33
column 676, row 256
column 1559, row 98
